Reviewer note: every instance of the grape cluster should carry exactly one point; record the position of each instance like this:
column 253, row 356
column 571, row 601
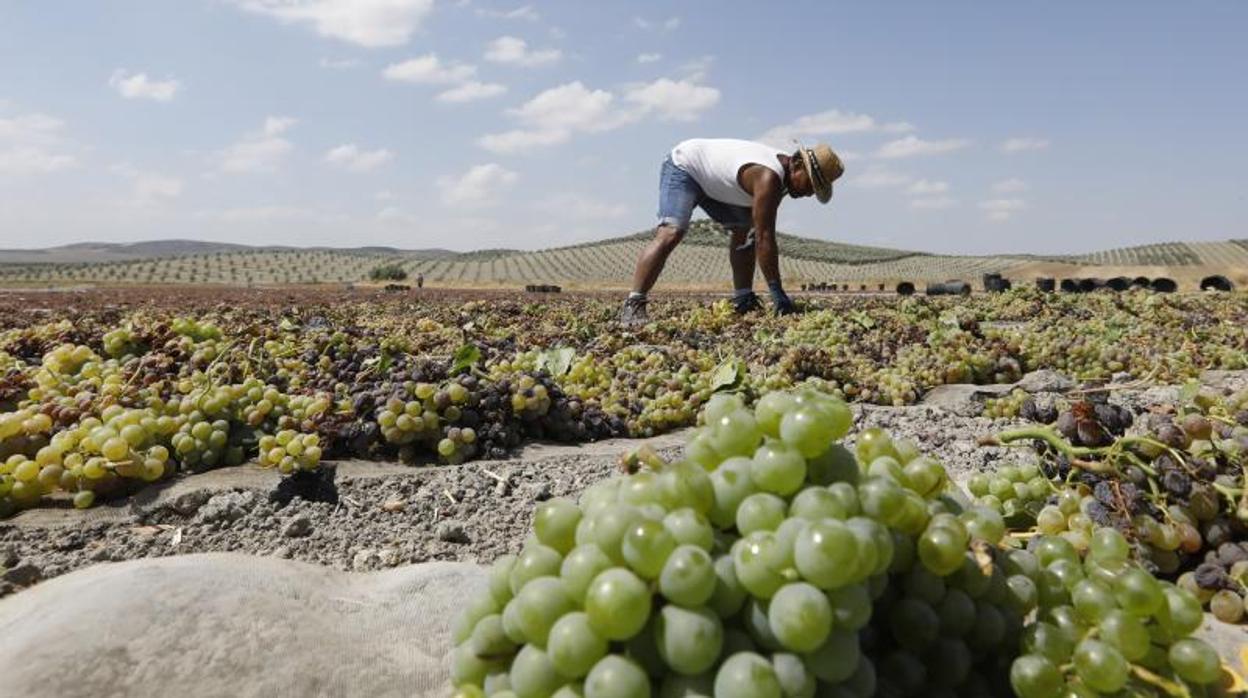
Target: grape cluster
column 1007, row 406
column 289, row 451
column 1012, row 490
column 772, row 562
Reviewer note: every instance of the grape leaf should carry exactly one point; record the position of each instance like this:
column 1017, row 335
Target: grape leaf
column 556, row 361
column 465, row 357
column 728, row 375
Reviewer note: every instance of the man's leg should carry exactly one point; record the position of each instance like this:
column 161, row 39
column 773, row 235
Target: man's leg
column 741, row 257
column 650, row 263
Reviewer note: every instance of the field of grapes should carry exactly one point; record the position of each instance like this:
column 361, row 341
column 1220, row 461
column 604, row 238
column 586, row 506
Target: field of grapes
column 700, row 263
column 1022, row 493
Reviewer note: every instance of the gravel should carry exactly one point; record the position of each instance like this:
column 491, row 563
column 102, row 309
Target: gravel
column 384, row 515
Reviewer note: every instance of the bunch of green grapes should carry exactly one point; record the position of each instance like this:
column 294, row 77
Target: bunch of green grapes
column 772, row 562
column 1012, row 490
column 290, row 451
column 1105, row 626
column 120, row 342
column 1005, row 407
column 529, row 399
column 201, row 443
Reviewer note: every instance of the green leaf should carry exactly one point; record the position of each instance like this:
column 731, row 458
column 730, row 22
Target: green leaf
column 728, row 375
column 287, row 325
column 863, row 319
column 465, row 357
column 556, row 361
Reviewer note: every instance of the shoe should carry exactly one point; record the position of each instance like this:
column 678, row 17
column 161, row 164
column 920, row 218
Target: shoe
column 633, row 312
column 747, row 304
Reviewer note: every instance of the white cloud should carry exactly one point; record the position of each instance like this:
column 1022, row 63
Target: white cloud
column 352, row 159
column 525, row 12
column 673, row 100
column 139, row 86
column 511, row 50
column 371, row 23
column 925, row 187
column 669, row 24
column 428, row 70
column 649, row 57
column 340, row 63
column 1018, row 145
column 577, row 207
column 274, row 213
column 696, row 69
column 470, row 92
column 479, row 186
column 827, row 123
column 1009, row 186
column 912, row 146
column 553, row 116
column 1001, row 209
column 261, row 151
column 933, row 202
column 876, row 177
column 32, row 144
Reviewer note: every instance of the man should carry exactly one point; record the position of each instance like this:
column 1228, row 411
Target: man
column 740, row 185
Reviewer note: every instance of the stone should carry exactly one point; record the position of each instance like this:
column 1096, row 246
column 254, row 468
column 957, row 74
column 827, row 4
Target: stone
column 227, row 507
column 188, row 503
column 1046, row 381
column 23, row 575
column 298, row 527
column 452, row 531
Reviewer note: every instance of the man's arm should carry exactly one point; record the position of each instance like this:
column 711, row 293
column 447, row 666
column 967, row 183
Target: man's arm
column 768, row 191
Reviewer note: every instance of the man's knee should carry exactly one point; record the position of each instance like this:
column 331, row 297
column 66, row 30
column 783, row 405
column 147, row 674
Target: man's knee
column 668, row 236
column 742, row 238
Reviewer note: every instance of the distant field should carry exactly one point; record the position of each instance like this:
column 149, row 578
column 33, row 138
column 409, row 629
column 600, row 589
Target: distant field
column 701, row 260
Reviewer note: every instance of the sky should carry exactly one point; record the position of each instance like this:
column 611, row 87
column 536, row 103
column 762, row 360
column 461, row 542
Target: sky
column 965, row 127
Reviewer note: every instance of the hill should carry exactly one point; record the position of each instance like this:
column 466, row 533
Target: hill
column 700, row 261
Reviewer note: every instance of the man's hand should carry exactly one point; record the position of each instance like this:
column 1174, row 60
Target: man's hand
column 785, row 305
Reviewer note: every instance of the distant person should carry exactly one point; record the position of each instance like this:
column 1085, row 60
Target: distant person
column 740, row 185
column 420, row 280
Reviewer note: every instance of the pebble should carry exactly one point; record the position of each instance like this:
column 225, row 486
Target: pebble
column 298, row 527
column 452, row 532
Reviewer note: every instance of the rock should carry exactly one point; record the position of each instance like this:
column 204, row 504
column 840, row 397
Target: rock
column 23, row 575
column 298, row 527
column 227, row 507
column 1120, row 377
column 541, row 491
column 452, row 531
column 206, row 624
column 961, row 399
column 1045, row 381
column 188, row 503
column 388, row 557
column 9, row 556
column 364, row 560
column 393, row 505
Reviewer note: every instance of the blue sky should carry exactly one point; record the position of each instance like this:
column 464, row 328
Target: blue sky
column 974, row 127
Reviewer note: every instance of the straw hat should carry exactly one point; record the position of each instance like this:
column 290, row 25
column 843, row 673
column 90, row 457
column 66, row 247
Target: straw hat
column 824, row 167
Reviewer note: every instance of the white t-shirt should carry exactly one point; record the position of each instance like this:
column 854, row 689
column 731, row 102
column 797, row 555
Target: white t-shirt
column 715, row 162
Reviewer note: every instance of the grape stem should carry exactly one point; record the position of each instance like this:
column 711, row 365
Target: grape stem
column 1170, row 687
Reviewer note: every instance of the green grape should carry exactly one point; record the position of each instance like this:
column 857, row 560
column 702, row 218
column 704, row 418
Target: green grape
column 746, row 675
column 646, row 546
column 1049, row 640
column 941, row 551
column 1195, row 661
column 534, row 561
column 1109, row 545
column 554, row 524
column 617, row 677
column 488, row 638
column 1138, row 593
column 985, row 524
column 580, row 567
column 756, row 561
column 1227, row 606
column 688, row 577
column 794, row 678
column 1035, row 676
column 837, row 658
column 573, row 646
column 721, row 405
column 925, row 476
column 609, row 525
column 914, row 624
column 1092, row 600
column 688, row 639
column 815, row 503
column 467, row 668
column 835, row 465
column 1126, row 633
column 729, row 595
column 1181, row 614
column 1100, row 666
column 800, row 617
column 825, row 554
column 617, row 603
column 851, row 607
column 760, row 512
column 532, row 674
column 1023, row 594
column 956, row 613
column 688, row 527
column 770, row 409
column 736, row 433
column 732, row 483
column 882, row 499
column 778, row 468
column 539, row 604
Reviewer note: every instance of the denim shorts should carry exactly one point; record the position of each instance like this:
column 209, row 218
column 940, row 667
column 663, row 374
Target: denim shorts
column 679, row 192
